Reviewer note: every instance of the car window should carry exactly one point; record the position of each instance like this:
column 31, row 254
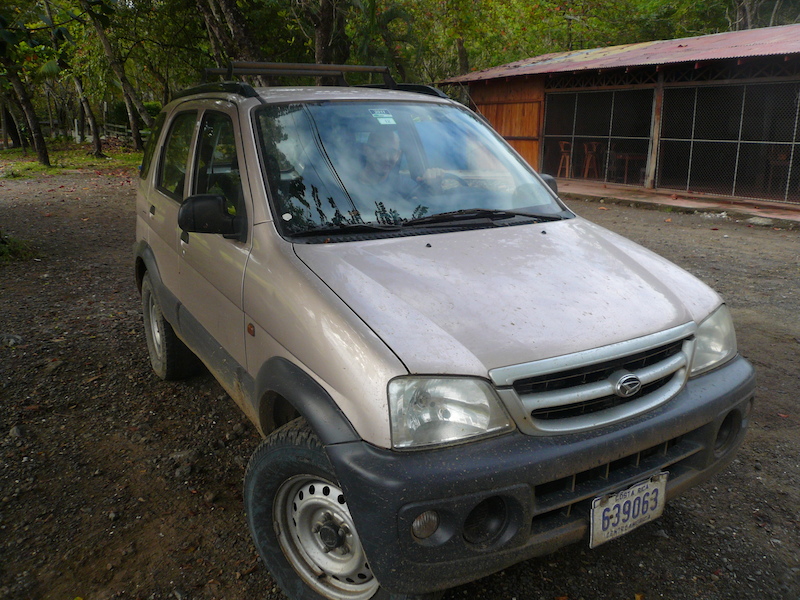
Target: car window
column 172, row 176
column 388, row 163
column 305, row 191
column 217, row 164
column 150, row 147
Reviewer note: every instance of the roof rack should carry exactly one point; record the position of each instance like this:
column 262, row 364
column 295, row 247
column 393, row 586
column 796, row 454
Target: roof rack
column 269, row 69
column 419, row 88
column 231, row 87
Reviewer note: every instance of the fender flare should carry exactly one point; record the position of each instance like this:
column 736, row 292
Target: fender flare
column 308, row 397
column 145, row 262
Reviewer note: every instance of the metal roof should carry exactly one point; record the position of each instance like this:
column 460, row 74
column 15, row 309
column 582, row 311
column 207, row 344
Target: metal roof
column 767, row 41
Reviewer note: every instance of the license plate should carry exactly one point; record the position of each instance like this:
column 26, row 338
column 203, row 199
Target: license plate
column 616, row 514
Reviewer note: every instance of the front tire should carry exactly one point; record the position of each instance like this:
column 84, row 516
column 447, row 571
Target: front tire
column 300, row 523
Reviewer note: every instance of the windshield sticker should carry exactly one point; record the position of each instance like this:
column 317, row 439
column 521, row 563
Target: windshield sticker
column 384, row 116
column 286, row 216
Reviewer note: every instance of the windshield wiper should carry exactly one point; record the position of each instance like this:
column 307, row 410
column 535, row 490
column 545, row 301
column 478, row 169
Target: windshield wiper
column 469, row 214
column 346, row 229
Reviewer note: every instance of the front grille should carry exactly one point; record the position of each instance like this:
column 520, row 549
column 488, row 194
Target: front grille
column 581, row 391
column 592, row 406
column 594, row 373
column 569, row 498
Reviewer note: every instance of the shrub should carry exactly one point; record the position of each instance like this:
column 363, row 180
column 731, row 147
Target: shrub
column 12, row 249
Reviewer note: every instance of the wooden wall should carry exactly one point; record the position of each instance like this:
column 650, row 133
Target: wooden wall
column 515, row 108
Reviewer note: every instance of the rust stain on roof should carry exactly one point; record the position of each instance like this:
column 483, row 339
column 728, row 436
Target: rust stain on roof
column 767, row 41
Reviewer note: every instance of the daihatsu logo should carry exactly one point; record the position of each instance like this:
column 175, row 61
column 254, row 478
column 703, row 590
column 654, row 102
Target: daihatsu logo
column 628, row 385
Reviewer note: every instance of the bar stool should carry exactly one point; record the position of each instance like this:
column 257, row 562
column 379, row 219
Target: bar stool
column 590, row 160
column 565, row 164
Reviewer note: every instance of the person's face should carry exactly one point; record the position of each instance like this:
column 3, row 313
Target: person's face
column 382, row 155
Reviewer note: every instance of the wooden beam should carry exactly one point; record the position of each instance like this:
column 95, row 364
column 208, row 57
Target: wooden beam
column 655, row 137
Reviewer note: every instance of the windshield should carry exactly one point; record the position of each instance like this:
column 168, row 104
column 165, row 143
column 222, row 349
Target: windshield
column 374, row 166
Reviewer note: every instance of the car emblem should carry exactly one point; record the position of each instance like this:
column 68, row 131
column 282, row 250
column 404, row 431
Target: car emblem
column 628, row 385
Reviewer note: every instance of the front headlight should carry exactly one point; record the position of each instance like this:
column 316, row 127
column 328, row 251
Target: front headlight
column 426, row 411
column 715, row 342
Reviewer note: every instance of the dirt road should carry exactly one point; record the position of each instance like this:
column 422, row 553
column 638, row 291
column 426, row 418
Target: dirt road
column 116, row 485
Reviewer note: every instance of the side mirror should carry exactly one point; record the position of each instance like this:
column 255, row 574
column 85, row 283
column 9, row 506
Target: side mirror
column 208, row 213
column 551, row 181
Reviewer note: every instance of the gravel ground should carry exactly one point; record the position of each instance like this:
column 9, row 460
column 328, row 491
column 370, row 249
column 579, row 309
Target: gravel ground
column 114, row 484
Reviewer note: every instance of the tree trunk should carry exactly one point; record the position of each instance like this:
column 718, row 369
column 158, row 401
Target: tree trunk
column 4, row 123
column 97, row 144
column 323, row 32
column 134, row 124
column 80, row 127
column 14, row 132
column 774, row 13
column 245, row 48
column 227, row 32
column 217, row 38
column 117, row 66
column 50, row 116
column 30, row 112
column 463, row 57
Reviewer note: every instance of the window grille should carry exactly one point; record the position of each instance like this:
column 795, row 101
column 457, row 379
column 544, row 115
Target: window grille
column 740, row 139
column 601, row 135
column 734, row 140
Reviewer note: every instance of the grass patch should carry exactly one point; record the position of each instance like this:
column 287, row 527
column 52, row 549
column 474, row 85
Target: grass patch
column 13, row 250
column 66, row 156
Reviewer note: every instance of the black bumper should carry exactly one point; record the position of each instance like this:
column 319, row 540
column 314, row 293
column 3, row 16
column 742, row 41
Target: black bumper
column 531, row 493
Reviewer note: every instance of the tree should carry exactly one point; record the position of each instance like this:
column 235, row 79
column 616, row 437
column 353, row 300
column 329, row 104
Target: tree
column 383, row 34
column 228, row 30
column 14, row 37
column 752, row 14
column 59, row 34
column 98, row 12
column 327, row 19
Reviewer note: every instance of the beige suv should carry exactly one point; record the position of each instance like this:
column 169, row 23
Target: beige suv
column 452, row 372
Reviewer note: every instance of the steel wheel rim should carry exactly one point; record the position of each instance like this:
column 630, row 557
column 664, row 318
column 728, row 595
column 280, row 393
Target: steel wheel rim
column 155, row 330
column 318, row 538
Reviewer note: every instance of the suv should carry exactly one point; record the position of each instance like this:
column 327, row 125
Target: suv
column 452, row 372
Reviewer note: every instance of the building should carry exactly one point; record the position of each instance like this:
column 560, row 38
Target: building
column 716, row 114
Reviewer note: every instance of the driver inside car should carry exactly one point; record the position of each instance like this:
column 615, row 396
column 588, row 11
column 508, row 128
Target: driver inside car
column 380, row 172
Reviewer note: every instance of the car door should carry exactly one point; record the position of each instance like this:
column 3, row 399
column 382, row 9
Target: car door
column 212, row 266
column 160, row 209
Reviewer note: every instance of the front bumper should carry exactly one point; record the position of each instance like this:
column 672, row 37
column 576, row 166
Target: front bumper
column 506, row 499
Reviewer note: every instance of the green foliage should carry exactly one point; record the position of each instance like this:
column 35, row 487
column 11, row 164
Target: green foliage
column 65, row 155
column 14, row 250
column 153, row 108
column 165, row 44
column 117, row 113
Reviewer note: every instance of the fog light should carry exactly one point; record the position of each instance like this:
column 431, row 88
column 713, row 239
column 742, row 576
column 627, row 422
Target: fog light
column 727, row 433
column 486, row 521
column 425, row 525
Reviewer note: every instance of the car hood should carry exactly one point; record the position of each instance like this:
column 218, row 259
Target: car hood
column 469, row 301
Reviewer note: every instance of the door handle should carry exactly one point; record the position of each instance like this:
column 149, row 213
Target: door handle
column 152, row 209
column 185, row 237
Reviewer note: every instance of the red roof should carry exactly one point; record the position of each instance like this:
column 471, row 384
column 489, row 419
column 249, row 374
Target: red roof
column 767, row 41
